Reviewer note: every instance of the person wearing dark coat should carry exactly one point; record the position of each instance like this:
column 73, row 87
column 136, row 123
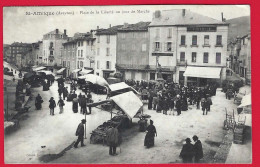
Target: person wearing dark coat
column 149, row 137
column 60, row 90
column 83, row 108
column 75, row 105
column 89, row 100
column 65, row 93
column 52, row 105
column 38, row 102
column 150, row 100
column 112, row 139
column 204, row 106
column 187, row 151
column 80, row 134
column 198, row 151
column 178, row 105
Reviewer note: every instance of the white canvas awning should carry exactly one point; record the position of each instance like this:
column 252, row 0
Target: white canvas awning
column 76, row 70
column 128, row 102
column 38, row 68
column 84, row 71
column 82, row 77
column 202, row 72
column 60, row 70
column 47, row 72
column 246, row 101
column 120, row 86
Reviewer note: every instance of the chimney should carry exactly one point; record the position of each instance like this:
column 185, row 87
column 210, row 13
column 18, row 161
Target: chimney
column 97, row 27
column 157, row 14
column 109, row 25
column 183, row 12
column 57, row 31
column 65, row 32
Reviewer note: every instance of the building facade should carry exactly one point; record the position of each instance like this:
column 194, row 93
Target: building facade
column 69, row 56
column 184, row 43
column 133, row 51
column 52, row 48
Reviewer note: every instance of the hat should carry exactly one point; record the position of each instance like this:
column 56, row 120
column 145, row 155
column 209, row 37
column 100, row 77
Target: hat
column 188, row 140
column 83, row 121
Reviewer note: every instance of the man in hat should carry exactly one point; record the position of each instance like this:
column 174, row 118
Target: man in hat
column 52, row 105
column 198, row 152
column 178, row 104
column 112, row 139
column 80, row 133
column 187, row 152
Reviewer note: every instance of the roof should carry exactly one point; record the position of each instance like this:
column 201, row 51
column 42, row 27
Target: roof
column 110, row 31
column 54, row 32
column 175, row 17
column 21, row 44
column 141, row 26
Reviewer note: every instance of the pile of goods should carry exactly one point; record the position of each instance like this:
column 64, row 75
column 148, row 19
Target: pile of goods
column 99, row 134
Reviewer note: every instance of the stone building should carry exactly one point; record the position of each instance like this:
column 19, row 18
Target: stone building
column 189, row 48
column 133, row 51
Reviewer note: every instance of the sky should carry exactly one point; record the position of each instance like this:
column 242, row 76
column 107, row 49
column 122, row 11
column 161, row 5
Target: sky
column 19, row 26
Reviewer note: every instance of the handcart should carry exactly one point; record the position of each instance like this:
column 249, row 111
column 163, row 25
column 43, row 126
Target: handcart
column 230, row 122
column 239, row 130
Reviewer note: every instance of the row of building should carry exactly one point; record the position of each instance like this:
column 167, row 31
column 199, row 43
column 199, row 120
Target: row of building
column 184, row 46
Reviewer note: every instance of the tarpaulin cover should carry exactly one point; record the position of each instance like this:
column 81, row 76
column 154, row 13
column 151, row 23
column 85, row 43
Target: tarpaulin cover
column 202, row 72
column 95, row 79
column 120, row 86
column 84, row 72
column 128, row 102
column 60, row 70
column 246, row 101
column 47, row 72
column 38, row 68
column 76, row 70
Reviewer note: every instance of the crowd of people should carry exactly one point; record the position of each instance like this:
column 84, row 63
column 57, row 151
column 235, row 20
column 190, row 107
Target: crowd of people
column 166, row 97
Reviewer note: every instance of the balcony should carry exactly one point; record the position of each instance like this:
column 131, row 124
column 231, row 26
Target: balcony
column 181, row 62
column 51, row 58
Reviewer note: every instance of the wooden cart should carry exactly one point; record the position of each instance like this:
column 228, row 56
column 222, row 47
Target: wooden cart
column 230, row 122
column 239, row 130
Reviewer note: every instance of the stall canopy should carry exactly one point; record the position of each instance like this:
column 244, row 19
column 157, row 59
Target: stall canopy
column 246, row 101
column 60, row 70
column 76, row 70
column 38, row 68
column 95, row 79
column 84, row 71
column 202, row 72
column 46, row 72
column 120, row 86
column 129, row 103
column 82, row 77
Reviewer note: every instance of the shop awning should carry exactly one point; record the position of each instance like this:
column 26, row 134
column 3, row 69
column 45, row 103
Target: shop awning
column 202, row 72
column 120, row 86
column 60, row 70
column 84, row 71
column 76, row 70
column 38, row 68
column 128, row 102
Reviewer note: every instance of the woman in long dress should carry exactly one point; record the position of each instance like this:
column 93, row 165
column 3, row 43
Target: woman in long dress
column 149, row 138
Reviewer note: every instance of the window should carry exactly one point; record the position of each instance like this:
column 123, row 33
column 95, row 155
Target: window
column 169, row 33
column 143, row 47
column 108, row 51
column 98, row 50
column 37, row 57
column 51, row 52
column 152, row 76
column 206, row 39
column 193, row 57
column 206, row 57
column 64, row 63
column 194, row 39
column 132, row 75
column 78, row 53
column 219, row 40
column 157, row 33
column 81, row 43
column 123, row 46
column 168, row 46
column 97, row 64
column 133, row 46
column 51, row 45
column 108, row 38
column 78, row 43
column 108, row 65
column 157, row 46
column 81, row 53
column 81, row 64
column 98, row 39
column 183, row 40
column 218, row 58
column 182, row 56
